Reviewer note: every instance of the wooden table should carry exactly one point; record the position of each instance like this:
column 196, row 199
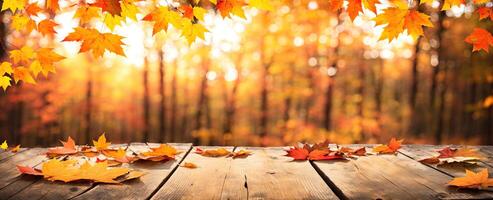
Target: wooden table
column 267, row 174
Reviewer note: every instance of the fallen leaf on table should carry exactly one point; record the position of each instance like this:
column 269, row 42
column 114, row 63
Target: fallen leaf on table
column 15, row 149
column 349, row 151
column 29, row 170
column 473, row 180
column 68, row 148
column 431, row 161
column 119, row 155
column 319, row 151
column 390, row 148
column 240, row 154
column 189, row 165
column 101, row 144
column 163, row 152
column 213, row 152
column 131, row 175
column 450, row 155
column 4, row 145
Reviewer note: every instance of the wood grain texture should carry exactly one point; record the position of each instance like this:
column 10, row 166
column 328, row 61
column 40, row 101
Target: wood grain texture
column 268, row 174
column 11, row 181
column 45, row 189
column 142, row 188
column 389, row 177
column 205, row 182
column 7, row 154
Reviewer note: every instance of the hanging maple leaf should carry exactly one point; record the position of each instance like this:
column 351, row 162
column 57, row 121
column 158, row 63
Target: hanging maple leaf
column 86, row 13
column 23, row 23
column 335, row 5
column 23, row 74
column 6, row 68
column 162, row 17
column 261, row 4
column 98, row 42
column 5, row 82
column 13, row 5
column 22, row 55
column 187, row 11
column 356, row 6
column 46, row 58
column 230, row 7
column 33, row 9
column 448, row 4
column 46, row 27
column 212, row 152
column 392, row 147
column 415, row 21
column 192, row 31
column 101, row 144
column 110, row 6
column 111, row 21
column 67, row 148
column 473, row 180
column 485, row 12
column 480, row 39
column 129, row 10
column 162, row 153
column 52, row 5
column 397, row 20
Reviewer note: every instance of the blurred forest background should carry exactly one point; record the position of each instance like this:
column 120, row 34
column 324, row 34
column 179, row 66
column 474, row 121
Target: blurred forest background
column 298, row 73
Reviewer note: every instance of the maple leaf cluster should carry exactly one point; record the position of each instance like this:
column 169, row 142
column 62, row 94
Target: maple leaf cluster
column 95, row 163
column 28, row 17
column 449, row 155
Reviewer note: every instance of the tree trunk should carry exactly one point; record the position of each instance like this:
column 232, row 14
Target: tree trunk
column 174, row 103
column 88, row 116
column 146, row 103
column 162, row 96
column 201, row 101
column 413, row 91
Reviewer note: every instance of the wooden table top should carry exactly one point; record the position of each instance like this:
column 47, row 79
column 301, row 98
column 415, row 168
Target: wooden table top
column 266, row 174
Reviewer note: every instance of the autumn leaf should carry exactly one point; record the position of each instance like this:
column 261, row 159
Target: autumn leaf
column 86, row 13
column 5, row 82
column 349, row 151
column 430, row 161
column 212, row 152
column 13, row 5
column 46, row 27
column 448, row 4
column 52, row 5
column 162, row 17
column 23, row 23
column 230, row 7
column 15, row 149
column 393, row 18
column 414, row 23
column 67, row 148
column 199, row 12
column 240, row 154
column 192, row 31
column 110, row 6
column 473, row 180
column 29, row 170
column 189, row 165
column 319, row 151
column 119, row 155
column 187, row 11
column 98, row 42
column 481, row 39
column 33, row 9
column 481, row 1
column 129, row 10
column 4, row 145
column 356, row 6
column 485, row 12
column 22, row 55
column 335, row 5
column 392, row 147
column 111, row 21
column 101, row 144
column 162, row 153
column 6, row 68
column 46, row 58
column 23, row 74
column 261, row 4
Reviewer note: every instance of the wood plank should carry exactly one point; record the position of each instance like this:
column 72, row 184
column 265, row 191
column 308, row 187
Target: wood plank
column 142, row 188
column 268, row 174
column 204, row 182
column 389, row 177
column 45, row 189
column 8, row 154
column 11, row 181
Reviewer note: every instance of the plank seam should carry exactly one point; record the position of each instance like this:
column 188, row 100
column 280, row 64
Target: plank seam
column 337, row 191
column 170, row 174
column 435, row 168
column 226, row 176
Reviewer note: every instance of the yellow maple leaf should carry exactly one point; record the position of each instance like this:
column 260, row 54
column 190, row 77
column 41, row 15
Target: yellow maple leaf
column 162, row 17
column 36, row 68
column 6, row 68
column 192, row 31
column 86, row 13
column 199, row 12
column 101, row 144
column 23, row 74
column 261, row 4
column 129, row 10
column 393, row 18
column 4, row 82
column 97, row 42
column 189, row 165
column 23, row 23
column 213, row 152
column 13, row 5
column 414, row 22
column 22, row 55
column 213, row 1
column 67, row 171
column 478, row 180
column 47, row 57
column 448, row 4
column 163, row 150
column 4, row 145
column 111, row 21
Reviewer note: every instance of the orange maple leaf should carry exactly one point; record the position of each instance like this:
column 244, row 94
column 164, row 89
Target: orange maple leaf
column 318, row 151
column 68, row 148
column 187, row 11
column 189, row 165
column 86, row 13
column 52, row 5
column 480, row 39
column 356, row 6
column 161, row 153
column 46, row 27
column 111, row 6
column 335, row 5
column 228, row 7
column 485, row 12
column 29, row 170
column 240, row 154
column 213, row 152
column 414, row 22
column 474, row 180
column 23, row 74
column 119, row 155
column 392, row 147
column 33, row 9
column 96, row 41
